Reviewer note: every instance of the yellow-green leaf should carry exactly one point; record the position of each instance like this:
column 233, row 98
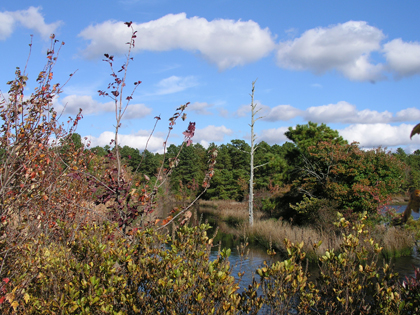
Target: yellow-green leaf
column 15, row 304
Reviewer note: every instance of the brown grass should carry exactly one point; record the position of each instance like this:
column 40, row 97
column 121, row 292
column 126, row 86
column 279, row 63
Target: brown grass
column 267, row 232
column 394, row 240
column 225, row 209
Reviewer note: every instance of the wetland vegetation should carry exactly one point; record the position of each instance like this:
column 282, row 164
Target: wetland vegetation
column 113, row 230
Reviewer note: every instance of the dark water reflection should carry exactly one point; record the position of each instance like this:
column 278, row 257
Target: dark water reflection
column 405, row 265
column 247, row 263
column 257, row 255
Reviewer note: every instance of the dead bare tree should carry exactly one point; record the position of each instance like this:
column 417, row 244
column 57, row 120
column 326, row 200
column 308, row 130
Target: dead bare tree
column 254, row 119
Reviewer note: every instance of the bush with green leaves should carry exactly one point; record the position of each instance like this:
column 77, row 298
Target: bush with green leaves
column 96, row 271
column 351, row 281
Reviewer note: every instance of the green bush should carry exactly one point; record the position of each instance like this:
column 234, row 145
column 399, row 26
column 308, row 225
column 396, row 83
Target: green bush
column 97, row 272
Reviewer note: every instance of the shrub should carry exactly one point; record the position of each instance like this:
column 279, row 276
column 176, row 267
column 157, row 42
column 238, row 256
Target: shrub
column 48, row 177
column 342, row 173
column 350, row 279
column 97, row 272
column 411, row 293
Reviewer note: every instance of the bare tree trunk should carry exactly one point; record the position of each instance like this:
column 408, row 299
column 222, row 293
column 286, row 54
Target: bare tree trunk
column 254, row 147
column 254, row 112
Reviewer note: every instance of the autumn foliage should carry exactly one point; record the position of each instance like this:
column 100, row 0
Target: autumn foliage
column 61, row 254
column 48, row 179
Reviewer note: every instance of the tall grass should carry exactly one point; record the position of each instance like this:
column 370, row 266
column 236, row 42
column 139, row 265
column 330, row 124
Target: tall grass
column 233, row 219
column 273, row 233
column 267, row 232
column 396, row 241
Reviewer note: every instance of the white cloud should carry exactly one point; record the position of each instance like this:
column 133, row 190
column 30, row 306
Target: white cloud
column 408, row 114
column 343, row 112
column 175, row 84
column 403, row 58
column 281, row 112
column 137, row 111
column 137, row 140
column 274, row 135
column 245, row 110
column 205, row 143
column 374, row 135
column 226, row 43
column 30, row 18
column 6, row 25
column 200, row 108
column 71, row 104
column 344, row 47
column 211, row 133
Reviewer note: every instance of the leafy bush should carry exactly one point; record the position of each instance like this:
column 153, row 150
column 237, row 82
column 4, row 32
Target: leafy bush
column 94, row 271
column 48, row 177
column 350, row 279
column 55, row 261
column 411, row 293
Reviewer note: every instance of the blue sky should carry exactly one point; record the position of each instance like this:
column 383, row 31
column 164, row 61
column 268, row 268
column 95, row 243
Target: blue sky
column 354, row 65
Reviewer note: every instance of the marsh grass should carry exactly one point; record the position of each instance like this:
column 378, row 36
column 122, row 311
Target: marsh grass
column 227, row 209
column 232, row 218
column 273, row 233
column 396, row 241
column 266, row 232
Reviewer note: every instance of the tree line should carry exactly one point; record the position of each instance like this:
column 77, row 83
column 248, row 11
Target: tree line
column 315, row 164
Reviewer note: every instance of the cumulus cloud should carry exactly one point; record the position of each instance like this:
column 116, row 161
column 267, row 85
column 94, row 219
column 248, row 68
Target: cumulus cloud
column 403, row 57
column 212, row 133
column 200, row 108
column 368, row 135
column 408, row 114
column 280, row 112
column 226, row 43
column 343, row 112
column 30, row 18
column 274, row 135
column 6, row 25
column 137, row 140
column 374, row 135
column 175, row 84
column 343, row 47
column 137, row 111
column 245, row 110
column 72, row 103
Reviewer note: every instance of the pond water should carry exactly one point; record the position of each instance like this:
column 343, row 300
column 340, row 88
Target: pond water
column 405, row 265
column 257, row 255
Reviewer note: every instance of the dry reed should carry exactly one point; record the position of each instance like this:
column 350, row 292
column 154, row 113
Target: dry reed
column 395, row 241
column 268, row 232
